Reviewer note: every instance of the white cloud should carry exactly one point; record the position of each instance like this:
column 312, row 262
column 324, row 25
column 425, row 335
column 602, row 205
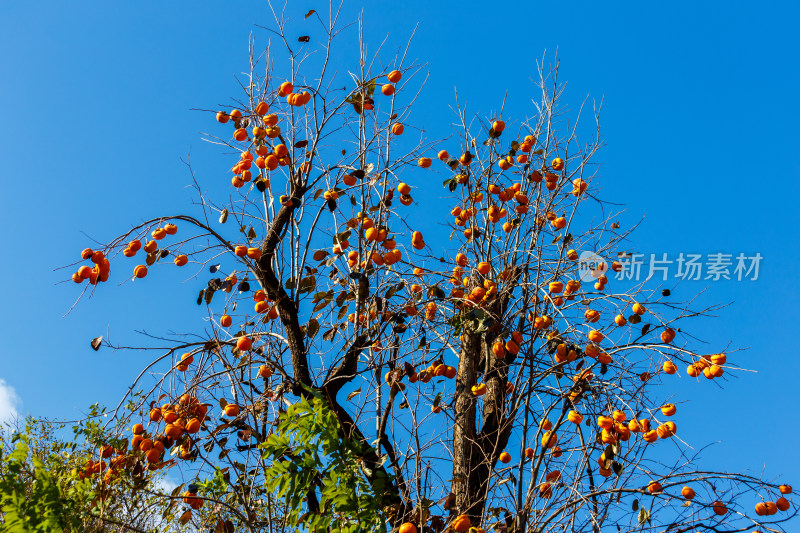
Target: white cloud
column 165, row 484
column 9, row 402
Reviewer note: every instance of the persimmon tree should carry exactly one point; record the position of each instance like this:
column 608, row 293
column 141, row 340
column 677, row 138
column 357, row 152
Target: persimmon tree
column 358, row 373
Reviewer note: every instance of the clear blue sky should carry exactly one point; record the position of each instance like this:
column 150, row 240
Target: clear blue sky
column 700, row 118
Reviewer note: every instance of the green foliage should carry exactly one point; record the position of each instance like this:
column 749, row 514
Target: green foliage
column 312, row 460
column 214, row 486
column 44, row 485
column 33, row 499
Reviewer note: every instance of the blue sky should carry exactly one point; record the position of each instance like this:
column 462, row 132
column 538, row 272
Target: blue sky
column 700, row 115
